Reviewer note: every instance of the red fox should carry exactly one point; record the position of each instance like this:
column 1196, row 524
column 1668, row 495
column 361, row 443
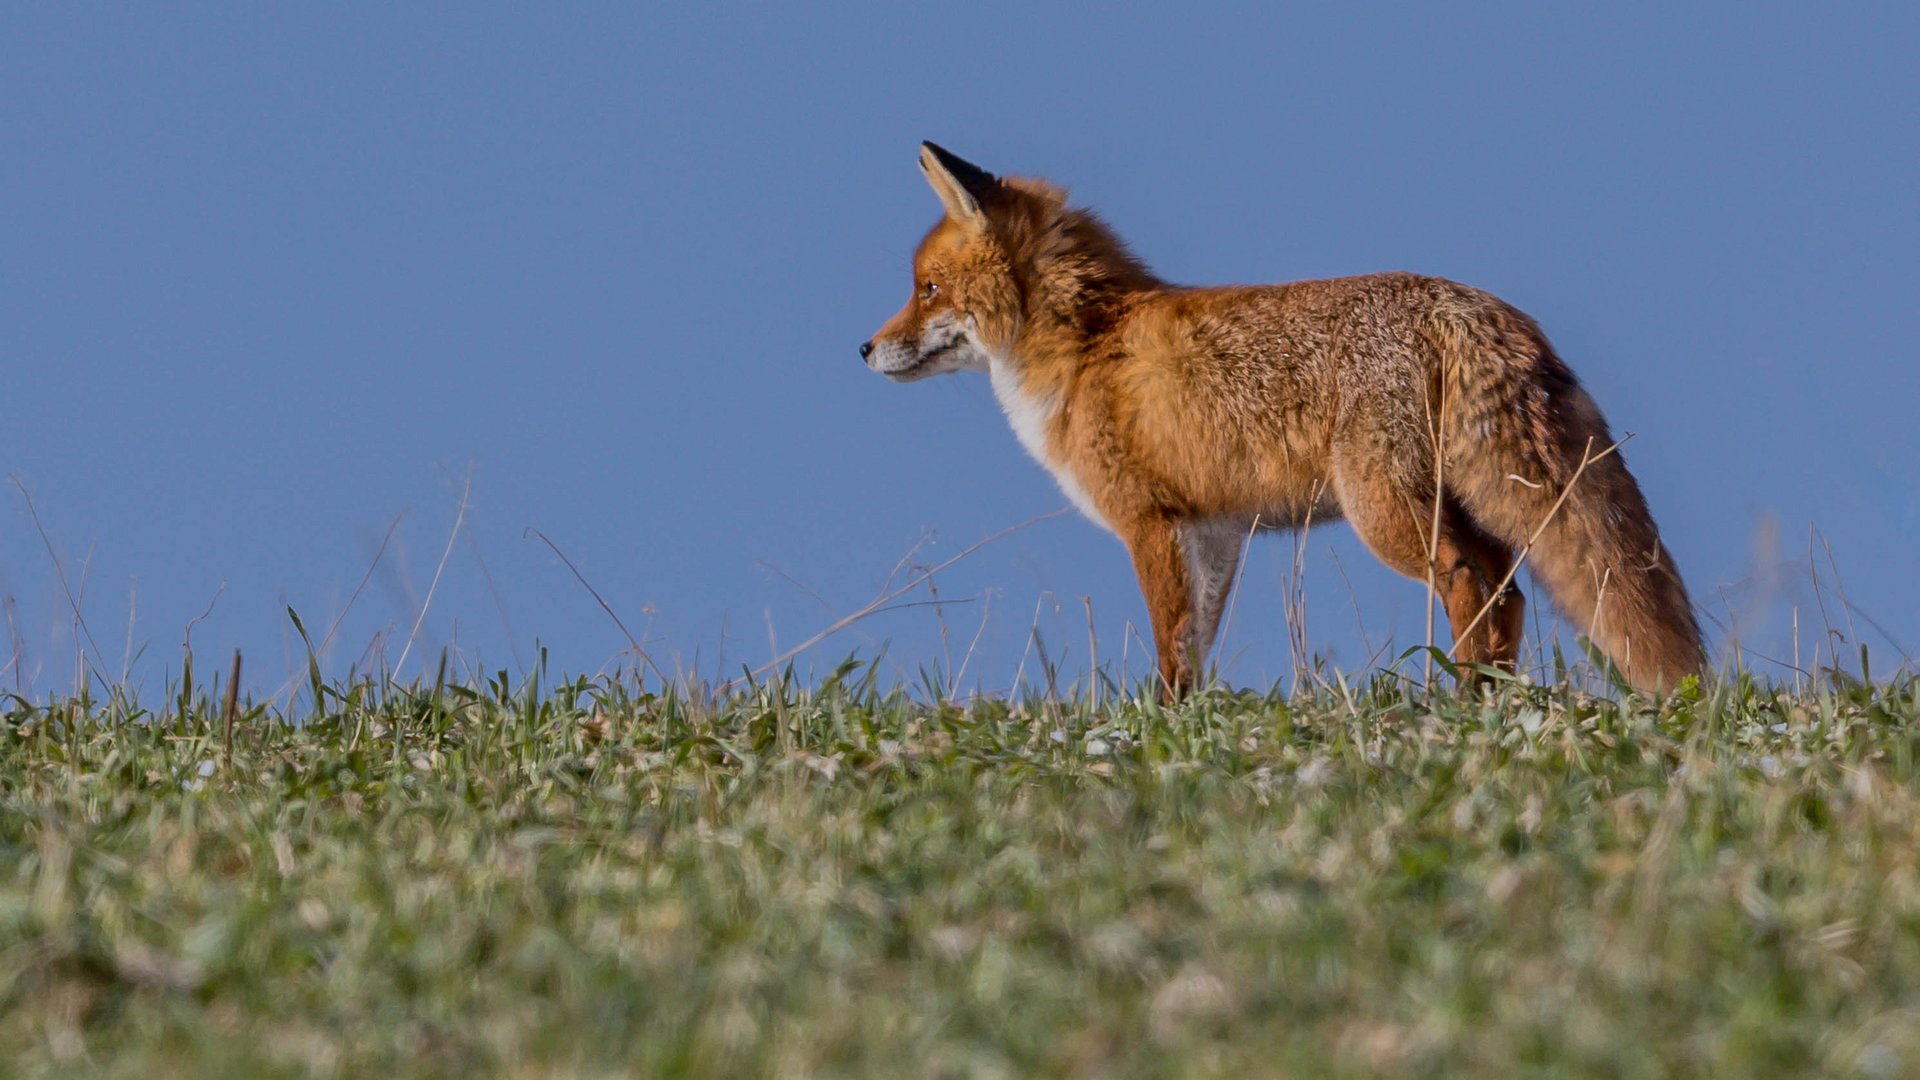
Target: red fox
column 1433, row 416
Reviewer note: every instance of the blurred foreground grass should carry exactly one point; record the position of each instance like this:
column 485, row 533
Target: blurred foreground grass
column 583, row 879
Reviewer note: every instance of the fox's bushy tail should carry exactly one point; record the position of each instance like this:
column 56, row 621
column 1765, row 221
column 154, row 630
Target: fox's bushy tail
column 1518, row 425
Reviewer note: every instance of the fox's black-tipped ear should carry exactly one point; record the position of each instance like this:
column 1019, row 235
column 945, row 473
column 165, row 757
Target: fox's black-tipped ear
column 961, row 185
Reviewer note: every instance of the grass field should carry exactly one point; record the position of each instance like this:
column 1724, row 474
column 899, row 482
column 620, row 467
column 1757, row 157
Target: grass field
column 584, row 879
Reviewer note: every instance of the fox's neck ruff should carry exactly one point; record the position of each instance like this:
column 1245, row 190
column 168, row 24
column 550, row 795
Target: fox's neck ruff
column 1078, row 267
column 1067, row 258
column 1076, row 279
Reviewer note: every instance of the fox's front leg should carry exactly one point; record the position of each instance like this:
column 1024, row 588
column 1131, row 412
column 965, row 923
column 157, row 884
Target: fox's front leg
column 1162, row 567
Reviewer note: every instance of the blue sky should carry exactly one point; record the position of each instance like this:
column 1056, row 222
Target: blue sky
column 271, row 277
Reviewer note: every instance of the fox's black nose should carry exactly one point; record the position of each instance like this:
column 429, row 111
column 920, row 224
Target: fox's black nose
column 866, row 349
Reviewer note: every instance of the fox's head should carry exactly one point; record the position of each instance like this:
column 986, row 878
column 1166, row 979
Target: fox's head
column 965, row 306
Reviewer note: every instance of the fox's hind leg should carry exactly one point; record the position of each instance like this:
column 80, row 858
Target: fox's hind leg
column 1388, row 499
column 1506, row 620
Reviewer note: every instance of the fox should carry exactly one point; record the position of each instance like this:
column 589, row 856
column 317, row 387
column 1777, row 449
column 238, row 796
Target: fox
column 1435, row 418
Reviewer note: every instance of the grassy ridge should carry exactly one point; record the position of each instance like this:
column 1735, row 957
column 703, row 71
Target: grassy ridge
column 584, row 879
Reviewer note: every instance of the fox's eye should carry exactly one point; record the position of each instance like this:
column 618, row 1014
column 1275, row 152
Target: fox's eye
column 927, row 292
